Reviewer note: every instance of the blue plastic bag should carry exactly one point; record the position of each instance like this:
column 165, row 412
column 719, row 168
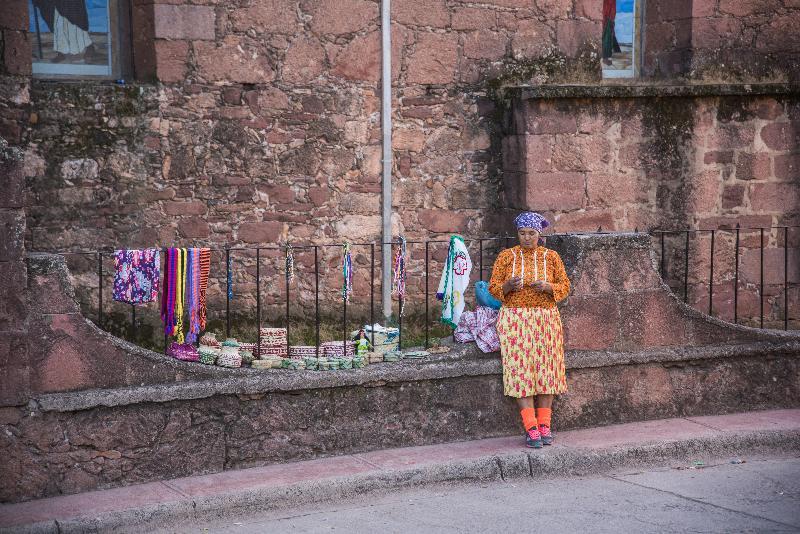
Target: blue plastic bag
column 484, row 297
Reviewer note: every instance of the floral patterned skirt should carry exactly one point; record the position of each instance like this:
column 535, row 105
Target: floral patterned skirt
column 532, row 349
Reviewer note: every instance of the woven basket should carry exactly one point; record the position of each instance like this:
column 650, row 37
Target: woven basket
column 247, row 357
column 184, row 352
column 229, row 357
column 273, row 336
column 209, row 339
column 208, row 355
column 265, row 352
column 334, row 349
column 297, row 352
column 262, row 364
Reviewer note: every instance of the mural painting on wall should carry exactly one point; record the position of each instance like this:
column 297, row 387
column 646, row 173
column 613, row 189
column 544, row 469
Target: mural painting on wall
column 70, row 37
column 619, row 38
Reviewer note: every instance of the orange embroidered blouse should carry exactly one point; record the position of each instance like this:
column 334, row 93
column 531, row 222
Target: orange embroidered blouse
column 518, row 262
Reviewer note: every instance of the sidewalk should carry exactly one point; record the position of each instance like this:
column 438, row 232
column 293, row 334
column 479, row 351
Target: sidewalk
column 576, row 453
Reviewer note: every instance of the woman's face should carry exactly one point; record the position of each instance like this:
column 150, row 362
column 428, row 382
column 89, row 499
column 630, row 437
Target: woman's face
column 528, row 237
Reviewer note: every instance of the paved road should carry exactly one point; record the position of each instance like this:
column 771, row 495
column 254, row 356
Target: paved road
column 755, row 496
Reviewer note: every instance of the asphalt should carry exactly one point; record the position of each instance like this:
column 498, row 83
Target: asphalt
column 743, row 495
column 576, row 453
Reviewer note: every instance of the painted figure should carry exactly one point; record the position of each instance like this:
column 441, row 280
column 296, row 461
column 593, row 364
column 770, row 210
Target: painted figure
column 69, row 21
column 610, row 44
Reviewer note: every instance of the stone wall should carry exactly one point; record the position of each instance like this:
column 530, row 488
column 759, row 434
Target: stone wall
column 263, row 122
column 721, row 40
column 76, row 442
column 99, row 412
column 673, row 160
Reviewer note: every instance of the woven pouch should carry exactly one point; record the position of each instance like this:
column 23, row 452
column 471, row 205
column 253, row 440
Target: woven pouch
column 210, row 340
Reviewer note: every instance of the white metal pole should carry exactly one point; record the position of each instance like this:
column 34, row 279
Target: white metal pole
column 386, row 122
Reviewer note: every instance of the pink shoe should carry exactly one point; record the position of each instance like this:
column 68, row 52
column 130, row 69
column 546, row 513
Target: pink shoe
column 547, row 436
column 533, row 439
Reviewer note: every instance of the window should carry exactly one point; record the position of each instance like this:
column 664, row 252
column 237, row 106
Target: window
column 620, row 38
column 79, row 38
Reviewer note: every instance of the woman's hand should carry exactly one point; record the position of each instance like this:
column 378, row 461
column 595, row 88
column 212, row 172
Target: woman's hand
column 512, row 284
column 541, row 285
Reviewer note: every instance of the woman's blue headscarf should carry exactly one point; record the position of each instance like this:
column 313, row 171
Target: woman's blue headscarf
column 530, row 219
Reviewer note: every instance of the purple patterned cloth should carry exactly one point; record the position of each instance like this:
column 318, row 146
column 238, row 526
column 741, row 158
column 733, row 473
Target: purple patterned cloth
column 530, row 219
column 136, row 275
column 479, row 326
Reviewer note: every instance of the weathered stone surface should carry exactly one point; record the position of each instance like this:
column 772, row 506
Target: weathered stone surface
column 171, row 57
column 787, row 167
column 443, row 221
column 12, row 234
column 14, row 16
column 360, row 60
column 485, row 44
column 470, row 18
column 260, row 232
column 184, row 22
column 775, row 197
column 432, row 13
column 337, row 17
column 12, row 184
column 575, row 36
column 555, row 191
column 235, row 431
column 13, row 297
column 780, row 136
column 17, row 52
column 235, row 59
column 531, row 39
column 271, row 16
column 434, row 59
column 304, row 62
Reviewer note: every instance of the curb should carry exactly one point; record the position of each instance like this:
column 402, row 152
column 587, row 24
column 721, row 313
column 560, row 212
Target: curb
column 548, row 463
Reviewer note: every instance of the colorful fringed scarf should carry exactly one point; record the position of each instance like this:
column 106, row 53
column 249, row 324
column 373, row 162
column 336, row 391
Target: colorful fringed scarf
column 205, row 269
column 399, row 279
column 185, row 283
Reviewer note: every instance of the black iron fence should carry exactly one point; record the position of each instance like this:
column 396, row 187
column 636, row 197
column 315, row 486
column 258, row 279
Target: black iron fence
column 675, row 249
column 688, row 243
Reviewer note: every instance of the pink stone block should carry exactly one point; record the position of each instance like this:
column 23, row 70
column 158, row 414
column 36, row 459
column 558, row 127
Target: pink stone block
column 184, row 22
column 555, row 190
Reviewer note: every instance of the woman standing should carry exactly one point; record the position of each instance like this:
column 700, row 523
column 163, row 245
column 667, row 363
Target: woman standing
column 529, row 280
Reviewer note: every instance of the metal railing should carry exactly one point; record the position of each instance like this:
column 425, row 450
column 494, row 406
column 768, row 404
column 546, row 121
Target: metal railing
column 494, row 243
column 736, row 232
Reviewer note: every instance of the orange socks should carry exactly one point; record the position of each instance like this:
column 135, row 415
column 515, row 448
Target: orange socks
column 544, row 416
column 528, row 418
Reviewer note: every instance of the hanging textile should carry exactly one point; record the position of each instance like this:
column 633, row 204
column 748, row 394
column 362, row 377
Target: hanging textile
column 193, row 293
column 184, row 291
column 136, row 275
column 230, row 276
column 180, row 298
column 479, row 326
column 168, row 291
column 454, row 281
column 347, row 272
column 289, row 263
column 399, row 278
column 205, row 269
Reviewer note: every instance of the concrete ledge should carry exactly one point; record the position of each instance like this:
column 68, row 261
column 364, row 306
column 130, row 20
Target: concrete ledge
column 576, row 453
column 651, row 90
column 466, row 360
